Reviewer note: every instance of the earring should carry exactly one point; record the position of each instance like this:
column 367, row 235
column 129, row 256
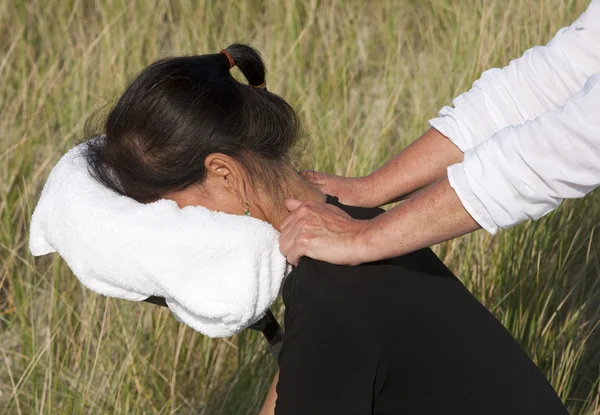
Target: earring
column 246, row 208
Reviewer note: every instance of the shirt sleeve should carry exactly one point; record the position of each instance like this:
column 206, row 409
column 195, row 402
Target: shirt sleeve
column 525, row 172
column 328, row 362
column 540, row 81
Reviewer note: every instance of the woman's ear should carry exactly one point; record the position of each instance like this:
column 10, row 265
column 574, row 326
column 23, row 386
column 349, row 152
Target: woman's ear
column 225, row 173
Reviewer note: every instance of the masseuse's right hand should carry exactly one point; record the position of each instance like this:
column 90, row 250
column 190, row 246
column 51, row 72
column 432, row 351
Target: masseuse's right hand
column 324, row 232
column 353, row 191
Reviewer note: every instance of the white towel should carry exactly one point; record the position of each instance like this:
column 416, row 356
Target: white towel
column 218, row 272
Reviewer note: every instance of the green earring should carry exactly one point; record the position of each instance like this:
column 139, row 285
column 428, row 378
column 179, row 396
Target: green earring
column 246, row 208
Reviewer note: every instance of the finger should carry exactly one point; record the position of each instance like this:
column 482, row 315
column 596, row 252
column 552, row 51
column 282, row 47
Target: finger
column 312, row 176
column 334, row 209
column 294, row 216
column 284, row 245
column 288, row 236
column 288, row 222
column 295, row 254
column 307, row 173
column 292, row 204
column 322, row 181
column 286, row 240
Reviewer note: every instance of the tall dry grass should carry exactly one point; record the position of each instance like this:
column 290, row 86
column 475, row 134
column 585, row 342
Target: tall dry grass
column 365, row 77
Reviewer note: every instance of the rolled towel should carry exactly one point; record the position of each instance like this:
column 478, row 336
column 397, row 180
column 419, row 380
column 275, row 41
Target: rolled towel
column 218, row 272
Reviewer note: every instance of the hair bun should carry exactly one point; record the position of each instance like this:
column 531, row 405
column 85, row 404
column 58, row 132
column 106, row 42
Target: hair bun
column 250, row 63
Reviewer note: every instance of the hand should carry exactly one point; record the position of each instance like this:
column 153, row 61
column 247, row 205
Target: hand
column 353, row 191
column 322, row 232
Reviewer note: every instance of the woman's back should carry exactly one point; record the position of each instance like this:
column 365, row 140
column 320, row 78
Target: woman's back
column 399, row 336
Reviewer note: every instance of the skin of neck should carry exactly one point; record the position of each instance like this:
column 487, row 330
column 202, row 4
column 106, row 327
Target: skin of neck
column 233, row 197
column 272, row 209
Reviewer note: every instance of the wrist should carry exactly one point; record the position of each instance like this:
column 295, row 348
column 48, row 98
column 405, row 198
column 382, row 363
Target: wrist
column 364, row 243
column 363, row 192
column 372, row 190
column 382, row 187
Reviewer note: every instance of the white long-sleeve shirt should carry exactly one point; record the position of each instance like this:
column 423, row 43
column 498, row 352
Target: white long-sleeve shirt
column 530, row 132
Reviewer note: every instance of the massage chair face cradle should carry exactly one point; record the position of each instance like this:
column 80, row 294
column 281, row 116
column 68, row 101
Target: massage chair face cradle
column 86, row 167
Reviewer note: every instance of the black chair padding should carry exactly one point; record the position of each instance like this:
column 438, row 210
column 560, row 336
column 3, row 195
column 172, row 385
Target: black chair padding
column 268, row 325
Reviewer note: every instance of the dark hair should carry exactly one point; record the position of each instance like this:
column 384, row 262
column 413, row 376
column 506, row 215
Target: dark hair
column 178, row 111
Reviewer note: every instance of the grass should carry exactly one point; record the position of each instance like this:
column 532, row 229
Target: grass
column 365, row 77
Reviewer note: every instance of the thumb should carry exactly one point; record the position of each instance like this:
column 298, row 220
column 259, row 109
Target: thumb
column 292, row 204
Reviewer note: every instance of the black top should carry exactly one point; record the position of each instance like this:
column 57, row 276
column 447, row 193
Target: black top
column 401, row 336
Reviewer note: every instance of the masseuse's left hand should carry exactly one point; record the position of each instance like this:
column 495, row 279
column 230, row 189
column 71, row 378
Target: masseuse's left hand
column 322, row 232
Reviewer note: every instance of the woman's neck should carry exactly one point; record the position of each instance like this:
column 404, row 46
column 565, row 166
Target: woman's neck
column 297, row 188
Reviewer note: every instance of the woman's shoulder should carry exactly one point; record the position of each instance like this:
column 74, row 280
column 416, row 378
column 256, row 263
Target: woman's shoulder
column 313, row 282
column 356, row 288
column 366, row 285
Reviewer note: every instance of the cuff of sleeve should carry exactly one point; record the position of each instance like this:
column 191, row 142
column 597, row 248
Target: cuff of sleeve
column 449, row 127
column 458, row 182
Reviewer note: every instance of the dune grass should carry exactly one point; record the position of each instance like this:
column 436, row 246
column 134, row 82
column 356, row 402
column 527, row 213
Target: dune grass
column 365, row 77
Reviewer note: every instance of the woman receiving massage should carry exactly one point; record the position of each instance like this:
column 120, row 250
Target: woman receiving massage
column 400, row 336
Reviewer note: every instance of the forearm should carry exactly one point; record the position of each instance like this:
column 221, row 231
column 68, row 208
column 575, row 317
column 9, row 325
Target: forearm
column 268, row 407
column 327, row 233
column 521, row 173
column 418, row 165
column 433, row 215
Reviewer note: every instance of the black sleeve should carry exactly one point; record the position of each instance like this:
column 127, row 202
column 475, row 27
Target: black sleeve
column 328, row 362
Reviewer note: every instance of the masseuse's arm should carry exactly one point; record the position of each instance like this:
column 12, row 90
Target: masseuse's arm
column 418, row 165
column 539, row 81
column 521, row 173
column 326, row 233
